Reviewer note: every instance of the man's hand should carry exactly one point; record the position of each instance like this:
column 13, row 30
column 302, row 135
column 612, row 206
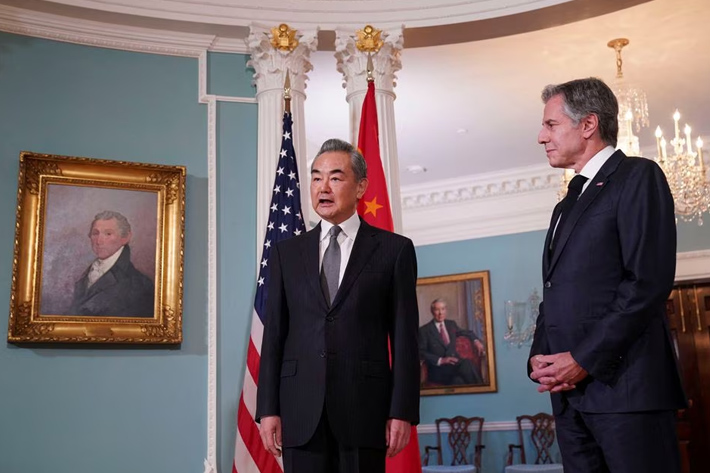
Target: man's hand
column 397, row 435
column 478, row 346
column 536, row 363
column 270, row 431
column 449, row 360
column 556, row 373
column 546, row 382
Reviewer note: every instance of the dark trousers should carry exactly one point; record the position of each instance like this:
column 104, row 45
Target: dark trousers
column 462, row 372
column 324, row 454
column 633, row 442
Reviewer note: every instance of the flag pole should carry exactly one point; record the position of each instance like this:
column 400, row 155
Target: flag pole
column 374, row 207
column 287, row 93
column 370, row 67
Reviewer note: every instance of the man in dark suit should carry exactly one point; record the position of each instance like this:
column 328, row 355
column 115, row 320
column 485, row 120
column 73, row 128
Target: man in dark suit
column 602, row 346
column 437, row 347
column 328, row 394
column 112, row 286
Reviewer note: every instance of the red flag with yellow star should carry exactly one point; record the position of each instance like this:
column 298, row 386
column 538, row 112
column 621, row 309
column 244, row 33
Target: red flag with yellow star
column 374, row 207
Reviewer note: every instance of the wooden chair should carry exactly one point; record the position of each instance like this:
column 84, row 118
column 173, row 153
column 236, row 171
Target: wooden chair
column 459, row 439
column 542, row 436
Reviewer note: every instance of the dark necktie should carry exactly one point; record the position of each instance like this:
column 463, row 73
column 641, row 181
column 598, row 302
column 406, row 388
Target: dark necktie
column 330, row 270
column 574, row 188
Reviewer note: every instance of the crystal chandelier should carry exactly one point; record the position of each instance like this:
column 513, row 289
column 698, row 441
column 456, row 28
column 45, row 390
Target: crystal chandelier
column 633, row 107
column 686, row 172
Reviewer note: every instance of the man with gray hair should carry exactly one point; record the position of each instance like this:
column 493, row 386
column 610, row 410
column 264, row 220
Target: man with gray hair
column 112, row 286
column 437, row 347
column 602, row 346
column 328, row 399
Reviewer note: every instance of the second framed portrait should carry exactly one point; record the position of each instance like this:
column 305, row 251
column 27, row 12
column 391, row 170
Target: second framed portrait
column 456, row 348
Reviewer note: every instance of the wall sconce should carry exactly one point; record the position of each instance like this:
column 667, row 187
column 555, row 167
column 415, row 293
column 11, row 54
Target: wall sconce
column 520, row 319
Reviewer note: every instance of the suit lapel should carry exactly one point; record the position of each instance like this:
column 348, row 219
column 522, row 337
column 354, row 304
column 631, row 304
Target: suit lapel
column 546, row 254
column 106, row 280
column 363, row 248
column 595, row 187
column 311, row 258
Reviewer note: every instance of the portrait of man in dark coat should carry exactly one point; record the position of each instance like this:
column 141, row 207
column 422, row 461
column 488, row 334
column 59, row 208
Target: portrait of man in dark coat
column 112, row 286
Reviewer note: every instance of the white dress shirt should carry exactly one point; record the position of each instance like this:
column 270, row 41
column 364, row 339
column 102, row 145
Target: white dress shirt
column 346, row 239
column 595, row 164
column 101, row 266
column 589, row 171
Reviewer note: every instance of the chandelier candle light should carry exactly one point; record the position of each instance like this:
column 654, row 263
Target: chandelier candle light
column 685, row 171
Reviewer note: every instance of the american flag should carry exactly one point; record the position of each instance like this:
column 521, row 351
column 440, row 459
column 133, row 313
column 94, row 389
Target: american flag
column 285, row 221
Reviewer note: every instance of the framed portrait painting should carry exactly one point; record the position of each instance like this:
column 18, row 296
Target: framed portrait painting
column 456, row 349
column 98, row 251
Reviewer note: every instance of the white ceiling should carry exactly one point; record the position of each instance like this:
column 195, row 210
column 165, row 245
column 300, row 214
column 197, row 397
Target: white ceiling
column 491, row 88
column 471, row 107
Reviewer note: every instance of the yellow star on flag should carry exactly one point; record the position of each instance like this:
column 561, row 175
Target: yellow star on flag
column 372, row 207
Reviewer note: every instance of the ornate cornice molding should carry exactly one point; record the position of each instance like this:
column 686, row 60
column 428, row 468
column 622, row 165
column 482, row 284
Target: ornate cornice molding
column 492, row 204
column 113, row 36
column 352, row 63
column 481, row 186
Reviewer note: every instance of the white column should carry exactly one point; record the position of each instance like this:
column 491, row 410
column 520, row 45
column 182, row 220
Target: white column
column 271, row 65
column 353, row 65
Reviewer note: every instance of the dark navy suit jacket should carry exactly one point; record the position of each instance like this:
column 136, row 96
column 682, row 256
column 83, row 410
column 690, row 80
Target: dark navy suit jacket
column 122, row 291
column 316, row 357
column 605, row 291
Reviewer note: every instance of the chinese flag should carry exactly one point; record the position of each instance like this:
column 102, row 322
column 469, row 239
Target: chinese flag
column 374, row 207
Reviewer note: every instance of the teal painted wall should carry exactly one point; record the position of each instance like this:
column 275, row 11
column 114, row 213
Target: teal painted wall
column 694, row 237
column 514, row 265
column 89, row 409
column 236, row 261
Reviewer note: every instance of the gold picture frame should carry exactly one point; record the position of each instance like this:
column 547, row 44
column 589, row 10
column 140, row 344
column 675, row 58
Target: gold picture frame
column 462, row 359
column 99, row 249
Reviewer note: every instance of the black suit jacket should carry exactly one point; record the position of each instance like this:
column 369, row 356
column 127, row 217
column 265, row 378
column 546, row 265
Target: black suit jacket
column 605, row 291
column 122, row 291
column 314, row 356
column 431, row 346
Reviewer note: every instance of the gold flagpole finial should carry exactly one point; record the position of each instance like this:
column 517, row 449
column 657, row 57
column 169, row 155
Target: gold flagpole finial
column 283, row 38
column 287, row 93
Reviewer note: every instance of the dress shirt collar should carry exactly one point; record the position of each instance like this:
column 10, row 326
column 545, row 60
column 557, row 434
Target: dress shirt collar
column 595, row 164
column 349, row 227
column 106, row 264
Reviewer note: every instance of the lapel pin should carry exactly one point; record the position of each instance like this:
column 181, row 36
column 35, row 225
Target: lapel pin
column 600, row 183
